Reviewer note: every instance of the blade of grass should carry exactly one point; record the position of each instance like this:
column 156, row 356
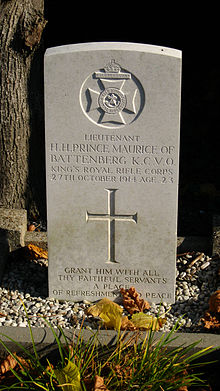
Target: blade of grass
column 16, row 359
column 201, row 353
column 31, row 334
column 20, row 379
column 40, row 386
column 87, row 360
column 57, row 339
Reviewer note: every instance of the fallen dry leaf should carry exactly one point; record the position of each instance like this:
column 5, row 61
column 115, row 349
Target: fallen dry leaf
column 99, row 384
column 211, row 322
column 132, row 301
column 35, row 252
column 214, row 302
column 109, row 312
column 124, row 371
column 145, row 322
column 7, row 363
column 183, row 388
column 127, row 324
column 31, row 227
column 11, row 362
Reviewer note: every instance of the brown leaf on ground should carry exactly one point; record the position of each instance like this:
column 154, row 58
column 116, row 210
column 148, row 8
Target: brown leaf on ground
column 127, row 324
column 35, row 252
column 31, row 227
column 214, row 302
column 211, row 322
column 11, row 362
column 8, row 363
column 132, row 301
column 124, row 372
column 99, row 384
column 183, row 388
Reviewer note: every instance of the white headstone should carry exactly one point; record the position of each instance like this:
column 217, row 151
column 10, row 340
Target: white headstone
column 112, row 150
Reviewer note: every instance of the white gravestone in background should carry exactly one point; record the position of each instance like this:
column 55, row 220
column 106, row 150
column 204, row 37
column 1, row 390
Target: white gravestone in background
column 112, row 149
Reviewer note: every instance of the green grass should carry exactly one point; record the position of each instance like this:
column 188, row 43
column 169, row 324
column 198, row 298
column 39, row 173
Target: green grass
column 136, row 360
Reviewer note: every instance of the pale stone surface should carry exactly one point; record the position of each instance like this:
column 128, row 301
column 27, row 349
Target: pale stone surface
column 14, row 224
column 112, row 150
column 37, row 238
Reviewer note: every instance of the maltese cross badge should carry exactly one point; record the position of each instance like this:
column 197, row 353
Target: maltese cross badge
column 112, row 97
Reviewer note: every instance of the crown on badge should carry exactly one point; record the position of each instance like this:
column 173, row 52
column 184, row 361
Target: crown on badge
column 112, row 67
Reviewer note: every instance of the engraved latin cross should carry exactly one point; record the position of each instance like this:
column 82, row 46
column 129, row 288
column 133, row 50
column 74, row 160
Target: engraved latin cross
column 111, row 218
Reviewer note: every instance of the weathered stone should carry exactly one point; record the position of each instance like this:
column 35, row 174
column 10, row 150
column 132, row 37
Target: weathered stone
column 14, row 224
column 37, row 238
column 112, row 142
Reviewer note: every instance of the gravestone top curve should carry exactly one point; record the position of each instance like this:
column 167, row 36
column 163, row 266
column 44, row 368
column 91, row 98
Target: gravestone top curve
column 115, row 46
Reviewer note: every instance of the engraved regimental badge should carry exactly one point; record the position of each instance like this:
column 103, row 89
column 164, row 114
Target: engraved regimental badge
column 112, row 97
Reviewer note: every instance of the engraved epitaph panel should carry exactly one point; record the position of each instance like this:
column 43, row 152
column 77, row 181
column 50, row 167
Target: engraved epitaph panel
column 112, row 113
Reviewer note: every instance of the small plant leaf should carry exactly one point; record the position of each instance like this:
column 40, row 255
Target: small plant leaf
column 144, row 321
column 69, row 377
column 108, row 311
